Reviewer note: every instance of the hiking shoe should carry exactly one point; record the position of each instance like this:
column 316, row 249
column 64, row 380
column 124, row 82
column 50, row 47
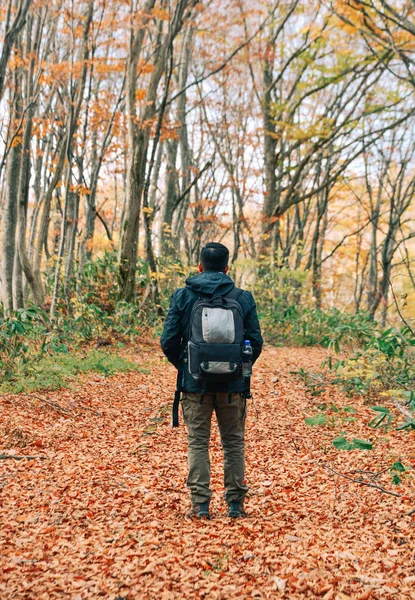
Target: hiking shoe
column 236, row 509
column 198, row 511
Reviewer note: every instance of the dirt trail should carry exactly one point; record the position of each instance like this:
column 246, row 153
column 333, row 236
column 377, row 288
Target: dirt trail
column 102, row 516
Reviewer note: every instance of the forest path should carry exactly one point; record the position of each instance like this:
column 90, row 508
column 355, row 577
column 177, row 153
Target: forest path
column 102, row 515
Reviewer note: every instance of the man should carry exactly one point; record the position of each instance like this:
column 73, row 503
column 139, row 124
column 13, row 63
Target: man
column 198, row 401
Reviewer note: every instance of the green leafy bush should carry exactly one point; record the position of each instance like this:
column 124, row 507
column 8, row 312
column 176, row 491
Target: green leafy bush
column 32, row 347
column 383, row 365
column 24, row 336
column 304, row 326
column 54, row 372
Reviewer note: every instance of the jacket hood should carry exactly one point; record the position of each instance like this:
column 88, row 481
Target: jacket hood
column 210, row 283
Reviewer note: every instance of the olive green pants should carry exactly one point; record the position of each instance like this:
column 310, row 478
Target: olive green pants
column 231, row 420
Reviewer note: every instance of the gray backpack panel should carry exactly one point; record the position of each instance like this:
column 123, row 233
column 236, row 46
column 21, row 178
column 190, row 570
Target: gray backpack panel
column 216, row 336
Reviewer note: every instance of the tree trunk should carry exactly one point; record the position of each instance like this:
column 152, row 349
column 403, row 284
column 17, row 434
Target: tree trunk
column 171, row 189
column 33, row 280
column 76, row 101
column 131, row 223
column 373, row 292
column 72, row 229
column 18, row 293
column 11, row 35
column 40, row 151
column 388, row 251
column 62, row 239
column 172, row 176
column 139, row 141
column 270, row 145
column 135, row 168
column 9, row 224
column 318, row 253
column 186, row 163
column 85, row 247
column 45, row 214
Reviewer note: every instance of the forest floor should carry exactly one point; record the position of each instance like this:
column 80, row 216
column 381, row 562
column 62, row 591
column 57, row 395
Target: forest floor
column 100, row 515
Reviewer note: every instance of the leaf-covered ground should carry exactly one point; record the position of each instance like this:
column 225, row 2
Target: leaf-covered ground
column 102, row 514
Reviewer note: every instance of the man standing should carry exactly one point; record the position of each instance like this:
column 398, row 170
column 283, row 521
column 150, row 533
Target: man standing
column 201, row 398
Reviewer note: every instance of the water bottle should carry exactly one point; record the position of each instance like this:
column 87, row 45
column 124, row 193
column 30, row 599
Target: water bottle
column 246, row 359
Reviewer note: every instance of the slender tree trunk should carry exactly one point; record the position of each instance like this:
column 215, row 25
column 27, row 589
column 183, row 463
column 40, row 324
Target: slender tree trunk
column 9, row 259
column 135, row 169
column 171, row 187
column 270, row 145
column 72, row 229
column 186, row 163
column 76, row 98
column 139, row 142
column 13, row 28
column 300, row 237
column 85, row 247
column 34, row 282
column 114, row 217
column 40, row 151
column 124, row 186
column 131, row 221
column 62, row 239
column 9, row 224
column 18, row 292
column 317, row 264
column 42, row 236
column 372, row 300
column 373, row 292
column 172, row 175
column 236, row 229
column 388, row 251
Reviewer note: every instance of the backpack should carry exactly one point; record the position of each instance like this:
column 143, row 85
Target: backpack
column 215, row 339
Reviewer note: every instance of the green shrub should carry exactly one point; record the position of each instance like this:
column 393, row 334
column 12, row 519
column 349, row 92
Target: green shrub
column 23, row 336
column 32, row 347
column 292, row 325
column 384, row 365
column 58, row 371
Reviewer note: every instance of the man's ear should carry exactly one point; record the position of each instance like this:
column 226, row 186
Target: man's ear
column 226, row 269
column 200, row 268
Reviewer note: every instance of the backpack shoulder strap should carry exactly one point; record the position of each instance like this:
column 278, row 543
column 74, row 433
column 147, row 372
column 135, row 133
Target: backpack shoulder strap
column 234, row 293
column 176, row 401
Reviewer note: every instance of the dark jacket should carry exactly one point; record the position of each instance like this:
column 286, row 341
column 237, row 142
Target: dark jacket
column 175, row 334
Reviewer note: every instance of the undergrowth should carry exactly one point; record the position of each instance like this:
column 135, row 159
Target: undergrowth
column 294, row 325
column 61, row 370
column 37, row 352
